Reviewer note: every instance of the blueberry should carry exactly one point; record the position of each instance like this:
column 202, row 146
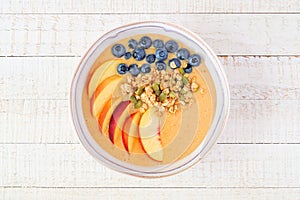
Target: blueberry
column 174, row 63
column 122, row 68
column 160, row 65
column 127, row 55
column 132, row 43
column 194, row 60
column 150, row 58
column 145, row 68
column 158, row 44
column 118, row 50
column 145, row 42
column 171, row 46
column 134, row 69
column 188, row 69
column 161, row 54
column 139, row 54
column 183, row 54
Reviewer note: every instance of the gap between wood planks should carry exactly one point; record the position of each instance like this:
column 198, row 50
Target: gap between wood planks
column 175, row 187
column 160, row 13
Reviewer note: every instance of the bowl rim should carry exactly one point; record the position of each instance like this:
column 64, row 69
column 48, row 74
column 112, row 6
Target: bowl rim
column 218, row 129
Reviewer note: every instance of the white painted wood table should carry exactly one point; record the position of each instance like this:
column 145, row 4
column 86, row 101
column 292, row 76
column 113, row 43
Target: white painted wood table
column 257, row 156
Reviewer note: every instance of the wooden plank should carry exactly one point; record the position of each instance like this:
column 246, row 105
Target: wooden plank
column 254, row 78
column 147, row 6
column 47, row 121
column 246, row 34
column 262, row 122
column 263, row 78
column 149, row 193
column 36, row 121
column 69, row 165
column 36, row 78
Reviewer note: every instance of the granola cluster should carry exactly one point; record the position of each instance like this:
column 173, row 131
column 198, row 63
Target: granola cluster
column 164, row 89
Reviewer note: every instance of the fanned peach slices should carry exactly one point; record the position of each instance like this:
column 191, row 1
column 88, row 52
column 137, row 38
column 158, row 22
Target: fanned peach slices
column 123, row 125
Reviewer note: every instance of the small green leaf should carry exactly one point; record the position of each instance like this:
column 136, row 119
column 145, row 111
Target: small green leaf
column 133, row 99
column 140, row 90
column 182, row 91
column 162, row 97
column 181, row 98
column 185, row 80
column 138, row 104
column 156, row 89
column 172, row 94
column 181, row 70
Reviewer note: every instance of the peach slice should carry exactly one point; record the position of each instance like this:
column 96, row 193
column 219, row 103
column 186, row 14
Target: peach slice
column 106, row 114
column 130, row 132
column 107, row 69
column 103, row 93
column 149, row 132
column 117, row 121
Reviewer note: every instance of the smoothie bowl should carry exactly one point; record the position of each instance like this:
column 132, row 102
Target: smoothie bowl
column 149, row 99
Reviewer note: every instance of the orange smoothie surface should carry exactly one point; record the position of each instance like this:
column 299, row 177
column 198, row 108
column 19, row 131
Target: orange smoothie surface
column 179, row 133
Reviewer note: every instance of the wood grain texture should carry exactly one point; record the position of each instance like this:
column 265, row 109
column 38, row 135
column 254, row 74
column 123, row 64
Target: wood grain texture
column 65, row 35
column 36, row 121
column 262, row 122
column 148, row 6
column 263, row 78
column 47, row 121
column 257, row 156
column 36, row 78
column 149, row 193
column 62, row 165
column 252, row 78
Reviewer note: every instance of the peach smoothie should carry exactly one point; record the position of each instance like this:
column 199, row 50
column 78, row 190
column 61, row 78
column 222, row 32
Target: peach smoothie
column 146, row 101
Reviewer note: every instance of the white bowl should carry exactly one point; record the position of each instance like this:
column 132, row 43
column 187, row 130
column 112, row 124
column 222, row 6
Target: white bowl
column 220, row 86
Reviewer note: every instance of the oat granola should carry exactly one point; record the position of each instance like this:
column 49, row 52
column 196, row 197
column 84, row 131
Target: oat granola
column 163, row 89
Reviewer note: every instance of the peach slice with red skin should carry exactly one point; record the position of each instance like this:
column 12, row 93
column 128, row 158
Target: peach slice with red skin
column 103, row 93
column 130, row 134
column 106, row 114
column 117, row 121
column 149, row 132
column 107, row 69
